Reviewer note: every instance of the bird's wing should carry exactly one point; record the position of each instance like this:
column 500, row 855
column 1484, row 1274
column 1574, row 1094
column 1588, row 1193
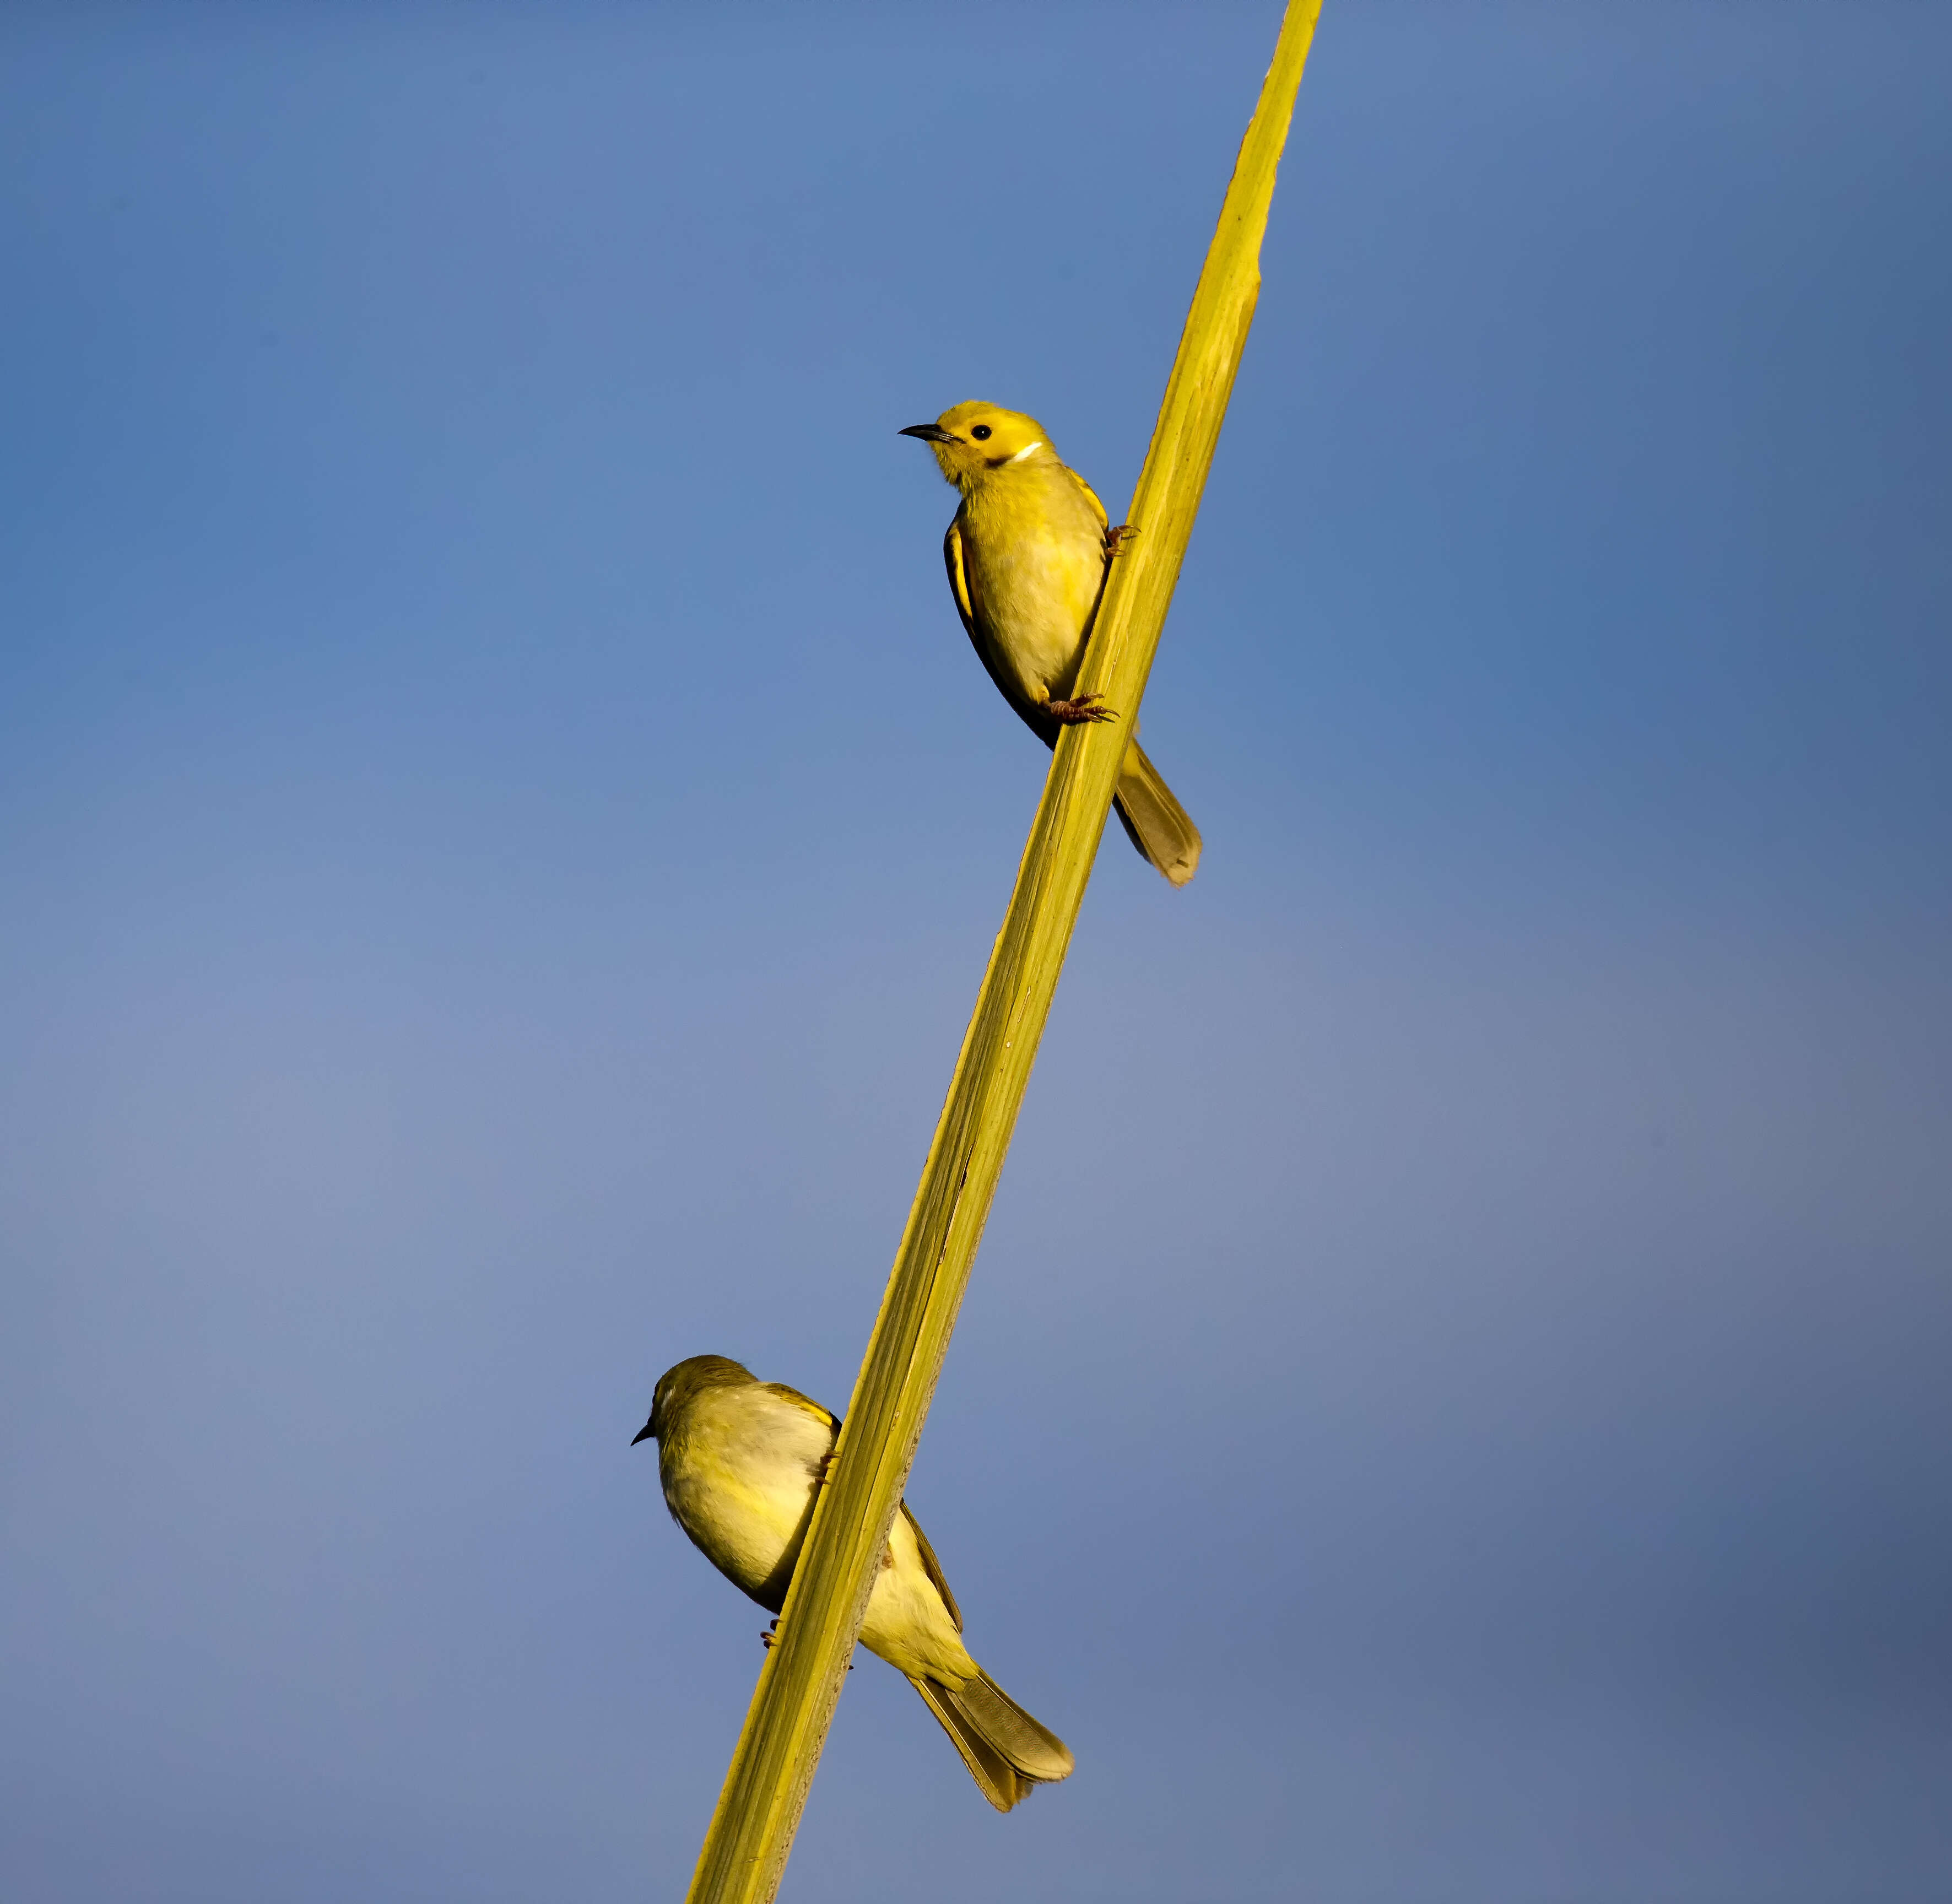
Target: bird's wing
column 806, row 1403
column 932, row 1568
column 958, row 576
column 1090, row 496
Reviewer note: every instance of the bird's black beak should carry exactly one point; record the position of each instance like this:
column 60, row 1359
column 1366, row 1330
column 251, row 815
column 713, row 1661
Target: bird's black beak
column 642, row 1434
column 930, row 433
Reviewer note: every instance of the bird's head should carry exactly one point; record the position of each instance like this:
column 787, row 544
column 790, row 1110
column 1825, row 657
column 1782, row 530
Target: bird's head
column 678, row 1387
column 973, row 440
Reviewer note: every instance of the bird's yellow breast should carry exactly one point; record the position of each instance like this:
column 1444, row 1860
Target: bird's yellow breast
column 1034, row 550
column 738, row 1479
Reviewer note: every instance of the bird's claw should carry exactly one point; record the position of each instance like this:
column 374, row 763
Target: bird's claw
column 771, row 1638
column 1115, row 539
column 1079, row 710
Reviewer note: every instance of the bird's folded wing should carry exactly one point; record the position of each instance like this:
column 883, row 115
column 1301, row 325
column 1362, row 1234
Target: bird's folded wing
column 958, row 576
column 932, row 1568
column 1090, row 496
column 806, row 1403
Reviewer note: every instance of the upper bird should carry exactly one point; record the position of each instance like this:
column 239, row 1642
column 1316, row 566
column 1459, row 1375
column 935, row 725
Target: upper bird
column 740, row 1460
column 1027, row 556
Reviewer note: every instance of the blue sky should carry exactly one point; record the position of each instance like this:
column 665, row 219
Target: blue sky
column 502, row 830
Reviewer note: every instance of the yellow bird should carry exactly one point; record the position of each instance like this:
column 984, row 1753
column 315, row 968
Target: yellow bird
column 740, row 1460
column 1028, row 555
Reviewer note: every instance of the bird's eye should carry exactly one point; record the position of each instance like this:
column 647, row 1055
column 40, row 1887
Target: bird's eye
column 981, row 432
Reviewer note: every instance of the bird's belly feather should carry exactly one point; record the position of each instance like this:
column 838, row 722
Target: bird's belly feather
column 744, row 1530
column 1033, row 584
column 740, row 1483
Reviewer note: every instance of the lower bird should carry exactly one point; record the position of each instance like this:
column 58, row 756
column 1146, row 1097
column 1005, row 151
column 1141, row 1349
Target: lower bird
column 1028, row 555
column 740, row 1460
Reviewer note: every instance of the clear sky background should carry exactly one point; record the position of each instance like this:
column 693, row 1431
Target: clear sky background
column 502, row 827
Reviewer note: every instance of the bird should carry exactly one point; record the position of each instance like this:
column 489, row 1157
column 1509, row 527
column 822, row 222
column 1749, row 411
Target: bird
column 1027, row 554
column 740, row 1460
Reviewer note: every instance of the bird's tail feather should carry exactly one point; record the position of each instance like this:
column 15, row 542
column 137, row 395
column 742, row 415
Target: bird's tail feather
column 1154, row 821
column 1006, row 1750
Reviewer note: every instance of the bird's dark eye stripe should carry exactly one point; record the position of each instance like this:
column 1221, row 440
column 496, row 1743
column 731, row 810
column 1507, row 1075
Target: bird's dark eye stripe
column 981, row 432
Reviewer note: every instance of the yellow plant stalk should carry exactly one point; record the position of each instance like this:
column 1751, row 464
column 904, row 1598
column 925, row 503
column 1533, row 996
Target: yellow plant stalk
column 752, row 1829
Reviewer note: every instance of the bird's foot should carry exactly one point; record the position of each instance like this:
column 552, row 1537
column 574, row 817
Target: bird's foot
column 1076, row 713
column 1115, row 539
column 771, row 1638
column 823, row 1471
